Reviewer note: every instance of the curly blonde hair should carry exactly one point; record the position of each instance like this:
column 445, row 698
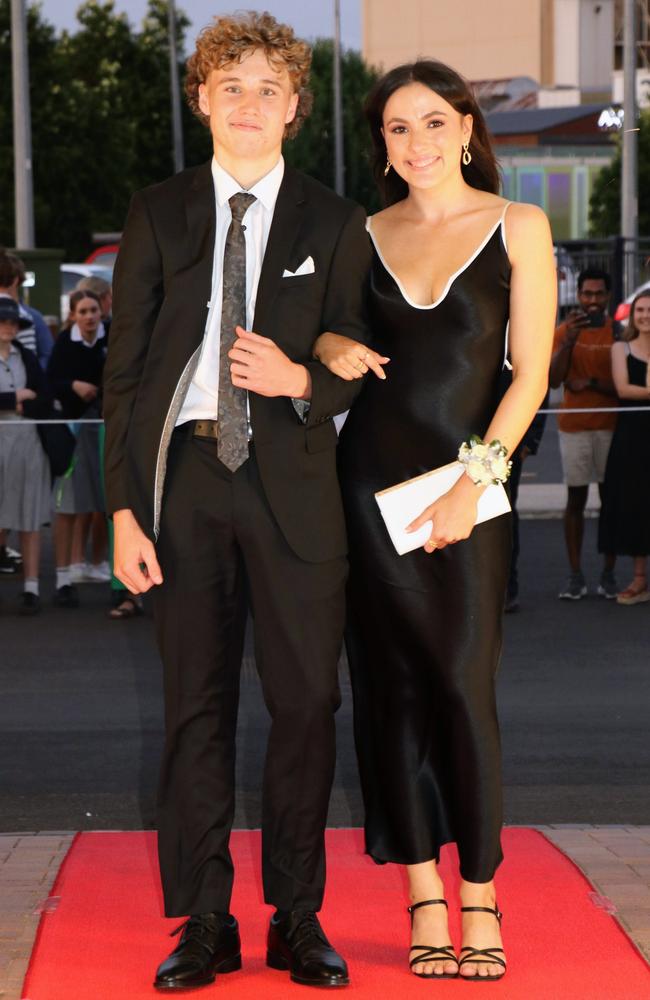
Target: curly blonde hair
column 228, row 39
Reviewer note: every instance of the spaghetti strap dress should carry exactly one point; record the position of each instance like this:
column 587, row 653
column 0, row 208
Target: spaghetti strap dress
column 624, row 525
column 424, row 630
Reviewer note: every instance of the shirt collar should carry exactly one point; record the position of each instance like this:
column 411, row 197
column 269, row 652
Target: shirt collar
column 76, row 337
column 266, row 190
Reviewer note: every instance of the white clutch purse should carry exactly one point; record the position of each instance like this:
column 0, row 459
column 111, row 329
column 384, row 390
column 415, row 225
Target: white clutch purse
column 401, row 504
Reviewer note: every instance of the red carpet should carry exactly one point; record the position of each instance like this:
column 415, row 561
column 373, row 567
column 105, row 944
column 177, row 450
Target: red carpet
column 105, row 937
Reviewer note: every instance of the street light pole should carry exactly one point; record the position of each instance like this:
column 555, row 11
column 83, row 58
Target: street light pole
column 23, row 183
column 629, row 166
column 177, row 122
column 339, row 162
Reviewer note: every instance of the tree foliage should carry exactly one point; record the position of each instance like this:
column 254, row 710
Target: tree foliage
column 605, row 202
column 101, row 121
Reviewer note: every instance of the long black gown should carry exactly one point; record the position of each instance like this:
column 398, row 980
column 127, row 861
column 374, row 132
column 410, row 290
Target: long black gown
column 624, row 526
column 424, row 630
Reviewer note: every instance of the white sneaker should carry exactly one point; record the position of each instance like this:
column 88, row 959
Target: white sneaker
column 101, row 573
column 77, row 572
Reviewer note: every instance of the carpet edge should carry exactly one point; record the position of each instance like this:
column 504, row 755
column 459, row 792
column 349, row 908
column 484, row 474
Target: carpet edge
column 41, row 923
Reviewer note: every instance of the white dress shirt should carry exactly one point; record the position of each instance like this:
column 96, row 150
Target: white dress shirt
column 201, row 401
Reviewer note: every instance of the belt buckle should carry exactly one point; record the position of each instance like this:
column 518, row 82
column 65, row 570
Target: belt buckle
column 206, row 429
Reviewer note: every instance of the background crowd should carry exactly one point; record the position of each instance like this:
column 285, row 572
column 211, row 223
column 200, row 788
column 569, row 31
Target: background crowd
column 54, row 477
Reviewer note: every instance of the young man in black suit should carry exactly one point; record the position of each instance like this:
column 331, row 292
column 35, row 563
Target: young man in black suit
column 221, row 478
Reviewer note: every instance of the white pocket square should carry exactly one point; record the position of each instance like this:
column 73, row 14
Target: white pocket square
column 307, row 267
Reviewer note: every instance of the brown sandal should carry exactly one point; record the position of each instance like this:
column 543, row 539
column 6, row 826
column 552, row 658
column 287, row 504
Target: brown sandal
column 634, row 594
column 129, row 607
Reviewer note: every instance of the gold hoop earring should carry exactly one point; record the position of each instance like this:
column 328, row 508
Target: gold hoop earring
column 388, row 166
column 467, row 156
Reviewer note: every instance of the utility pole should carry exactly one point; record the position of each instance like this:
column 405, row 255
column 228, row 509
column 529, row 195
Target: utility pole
column 23, row 182
column 339, row 161
column 629, row 167
column 177, row 122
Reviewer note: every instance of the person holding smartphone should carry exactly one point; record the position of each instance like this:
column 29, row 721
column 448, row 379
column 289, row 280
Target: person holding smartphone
column 581, row 362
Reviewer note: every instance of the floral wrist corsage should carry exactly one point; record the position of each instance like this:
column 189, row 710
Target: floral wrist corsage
column 485, row 464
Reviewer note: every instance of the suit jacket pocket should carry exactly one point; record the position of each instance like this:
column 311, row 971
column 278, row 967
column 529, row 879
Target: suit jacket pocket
column 299, row 279
column 320, row 437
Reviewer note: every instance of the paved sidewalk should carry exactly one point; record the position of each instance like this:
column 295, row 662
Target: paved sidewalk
column 543, row 500
column 615, row 859
column 28, row 867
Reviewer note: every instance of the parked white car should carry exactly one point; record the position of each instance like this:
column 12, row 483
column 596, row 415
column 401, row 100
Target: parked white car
column 73, row 273
column 567, row 280
column 622, row 314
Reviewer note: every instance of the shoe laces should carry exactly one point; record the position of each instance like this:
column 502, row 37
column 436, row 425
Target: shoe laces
column 196, row 926
column 307, row 928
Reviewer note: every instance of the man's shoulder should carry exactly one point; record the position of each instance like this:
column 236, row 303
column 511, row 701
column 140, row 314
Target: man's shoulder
column 319, row 194
column 175, row 186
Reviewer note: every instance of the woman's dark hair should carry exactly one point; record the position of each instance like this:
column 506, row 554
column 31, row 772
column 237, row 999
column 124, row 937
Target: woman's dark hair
column 79, row 294
column 11, row 267
column 631, row 332
column 482, row 172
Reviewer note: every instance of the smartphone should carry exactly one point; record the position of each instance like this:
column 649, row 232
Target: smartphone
column 596, row 318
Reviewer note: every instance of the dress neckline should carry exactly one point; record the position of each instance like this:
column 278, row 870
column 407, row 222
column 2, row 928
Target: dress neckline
column 499, row 224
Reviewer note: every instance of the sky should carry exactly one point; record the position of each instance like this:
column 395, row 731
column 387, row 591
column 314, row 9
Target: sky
column 310, row 18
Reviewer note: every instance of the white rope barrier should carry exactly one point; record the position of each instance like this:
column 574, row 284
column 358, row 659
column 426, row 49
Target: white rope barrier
column 547, row 410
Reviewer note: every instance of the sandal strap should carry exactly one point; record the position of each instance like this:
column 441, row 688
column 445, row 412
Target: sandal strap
column 432, row 954
column 490, row 958
column 426, row 902
column 496, row 912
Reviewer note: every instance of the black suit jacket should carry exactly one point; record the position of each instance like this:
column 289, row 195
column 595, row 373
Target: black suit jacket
column 162, row 285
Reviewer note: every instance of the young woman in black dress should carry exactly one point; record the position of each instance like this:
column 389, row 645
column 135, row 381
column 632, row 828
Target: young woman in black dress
column 460, row 280
column 624, row 522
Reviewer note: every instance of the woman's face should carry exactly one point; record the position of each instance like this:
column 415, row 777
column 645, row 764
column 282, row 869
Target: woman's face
column 424, row 136
column 8, row 330
column 641, row 318
column 87, row 316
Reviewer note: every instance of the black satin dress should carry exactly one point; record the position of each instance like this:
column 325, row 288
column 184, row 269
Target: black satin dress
column 424, row 631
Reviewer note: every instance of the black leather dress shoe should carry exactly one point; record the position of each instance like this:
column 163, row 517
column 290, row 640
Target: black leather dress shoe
column 209, row 944
column 297, row 942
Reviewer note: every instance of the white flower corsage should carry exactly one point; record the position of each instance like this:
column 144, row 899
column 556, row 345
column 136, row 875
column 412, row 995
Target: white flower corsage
column 485, row 464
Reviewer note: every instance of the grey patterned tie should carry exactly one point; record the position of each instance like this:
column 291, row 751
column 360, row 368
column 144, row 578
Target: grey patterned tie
column 232, row 441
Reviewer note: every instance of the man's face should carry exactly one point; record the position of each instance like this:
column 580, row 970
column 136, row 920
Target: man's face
column 249, row 104
column 593, row 296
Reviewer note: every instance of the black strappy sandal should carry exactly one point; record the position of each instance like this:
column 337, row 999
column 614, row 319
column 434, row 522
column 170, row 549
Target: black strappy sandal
column 487, row 956
column 429, row 953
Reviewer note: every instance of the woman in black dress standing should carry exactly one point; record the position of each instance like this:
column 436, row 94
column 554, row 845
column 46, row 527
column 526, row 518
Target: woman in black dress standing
column 624, row 520
column 457, row 284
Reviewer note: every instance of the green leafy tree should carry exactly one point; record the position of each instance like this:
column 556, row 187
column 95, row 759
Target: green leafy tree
column 101, row 121
column 605, row 202
column 313, row 148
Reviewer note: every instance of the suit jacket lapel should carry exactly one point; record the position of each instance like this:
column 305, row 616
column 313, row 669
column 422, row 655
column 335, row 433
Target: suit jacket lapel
column 200, row 212
column 282, row 236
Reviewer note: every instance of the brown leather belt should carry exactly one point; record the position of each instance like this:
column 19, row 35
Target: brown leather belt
column 206, row 429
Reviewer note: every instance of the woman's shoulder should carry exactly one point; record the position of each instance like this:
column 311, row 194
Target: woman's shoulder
column 526, row 226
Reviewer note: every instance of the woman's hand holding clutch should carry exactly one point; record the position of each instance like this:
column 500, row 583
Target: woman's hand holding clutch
column 348, row 358
column 453, row 515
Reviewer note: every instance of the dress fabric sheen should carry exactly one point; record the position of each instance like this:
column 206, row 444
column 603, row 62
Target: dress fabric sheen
column 424, row 631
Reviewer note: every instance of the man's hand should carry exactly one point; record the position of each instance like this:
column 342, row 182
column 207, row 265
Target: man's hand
column 577, row 384
column 85, row 390
column 135, row 562
column 260, row 366
column 575, row 322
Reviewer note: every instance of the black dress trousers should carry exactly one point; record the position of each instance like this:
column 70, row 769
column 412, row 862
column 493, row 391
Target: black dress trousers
column 221, row 551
